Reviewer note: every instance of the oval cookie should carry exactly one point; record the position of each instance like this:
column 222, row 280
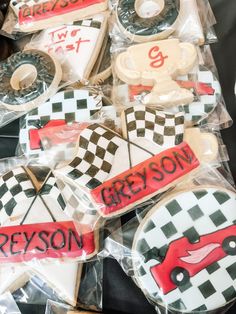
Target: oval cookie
column 65, row 107
column 184, row 250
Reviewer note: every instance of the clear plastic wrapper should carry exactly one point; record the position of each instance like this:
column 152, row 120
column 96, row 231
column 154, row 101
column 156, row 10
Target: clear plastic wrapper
column 151, row 74
column 37, row 291
column 145, row 21
column 51, row 244
column 80, row 42
column 49, row 133
column 8, row 304
column 58, row 308
column 156, row 150
column 180, row 249
column 27, row 79
column 30, row 15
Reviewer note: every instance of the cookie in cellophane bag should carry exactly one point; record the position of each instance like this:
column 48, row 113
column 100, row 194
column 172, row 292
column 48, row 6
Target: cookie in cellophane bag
column 40, row 236
column 183, row 250
column 156, row 152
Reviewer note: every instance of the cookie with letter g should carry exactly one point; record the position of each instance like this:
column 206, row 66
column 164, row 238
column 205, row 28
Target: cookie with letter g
column 34, row 15
column 157, row 64
column 38, row 235
column 155, row 152
column 184, row 249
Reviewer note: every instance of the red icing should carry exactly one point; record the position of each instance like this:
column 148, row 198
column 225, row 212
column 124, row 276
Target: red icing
column 157, row 56
column 34, row 134
column 200, row 88
column 182, row 250
column 52, row 8
column 144, row 179
column 49, row 240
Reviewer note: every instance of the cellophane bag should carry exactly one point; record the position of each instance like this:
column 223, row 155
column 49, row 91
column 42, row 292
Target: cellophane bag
column 180, row 250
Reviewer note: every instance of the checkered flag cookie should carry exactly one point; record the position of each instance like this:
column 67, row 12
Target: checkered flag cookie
column 15, row 187
column 164, row 129
column 96, row 150
column 190, row 214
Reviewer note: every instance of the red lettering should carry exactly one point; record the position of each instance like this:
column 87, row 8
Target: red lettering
column 156, row 55
column 79, row 42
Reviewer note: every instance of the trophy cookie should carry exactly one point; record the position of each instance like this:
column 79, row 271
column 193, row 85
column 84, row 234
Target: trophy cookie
column 156, row 64
column 76, row 45
column 34, row 15
column 153, row 156
column 28, row 79
column 184, row 250
column 143, row 21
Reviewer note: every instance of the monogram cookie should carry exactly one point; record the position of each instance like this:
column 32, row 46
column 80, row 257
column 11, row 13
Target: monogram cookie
column 156, row 64
column 184, row 250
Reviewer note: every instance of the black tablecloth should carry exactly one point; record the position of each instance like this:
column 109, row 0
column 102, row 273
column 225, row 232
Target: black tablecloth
column 120, row 293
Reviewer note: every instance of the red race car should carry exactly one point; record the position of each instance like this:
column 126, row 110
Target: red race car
column 184, row 259
column 55, row 132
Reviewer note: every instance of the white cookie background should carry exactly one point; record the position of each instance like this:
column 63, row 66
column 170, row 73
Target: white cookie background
column 77, row 60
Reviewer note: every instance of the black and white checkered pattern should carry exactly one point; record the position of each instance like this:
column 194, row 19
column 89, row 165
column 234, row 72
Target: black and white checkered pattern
column 79, row 206
column 190, row 214
column 70, row 105
column 96, row 150
column 203, row 105
column 164, row 129
column 15, row 187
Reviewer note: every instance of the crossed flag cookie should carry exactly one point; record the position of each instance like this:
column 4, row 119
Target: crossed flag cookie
column 118, row 172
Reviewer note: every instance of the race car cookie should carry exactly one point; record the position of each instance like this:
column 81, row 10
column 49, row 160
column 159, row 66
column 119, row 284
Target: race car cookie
column 66, row 107
column 184, row 250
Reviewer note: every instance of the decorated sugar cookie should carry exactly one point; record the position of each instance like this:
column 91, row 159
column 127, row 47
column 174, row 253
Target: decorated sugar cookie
column 63, row 108
column 76, row 45
column 156, row 64
column 54, row 233
column 206, row 90
column 143, row 21
column 184, row 250
column 153, row 156
column 34, row 15
column 28, row 79
column 36, row 225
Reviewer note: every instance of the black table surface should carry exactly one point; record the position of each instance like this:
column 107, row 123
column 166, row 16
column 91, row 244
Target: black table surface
column 120, row 294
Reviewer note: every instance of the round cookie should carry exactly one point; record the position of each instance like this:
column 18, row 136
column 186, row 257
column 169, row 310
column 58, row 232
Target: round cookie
column 184, row 250
column 65, row 107
column 136, row 19
column 207, row 95
column 27, row 79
